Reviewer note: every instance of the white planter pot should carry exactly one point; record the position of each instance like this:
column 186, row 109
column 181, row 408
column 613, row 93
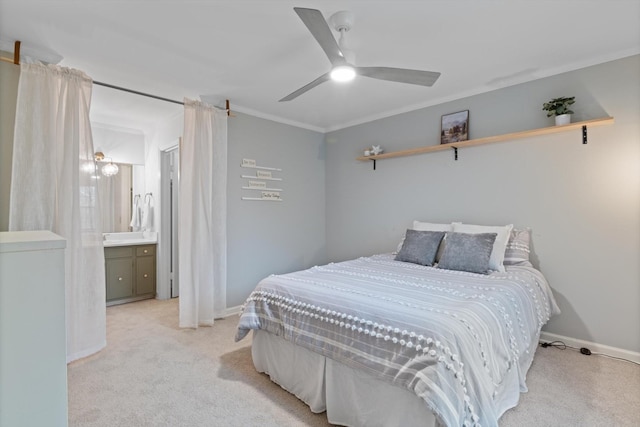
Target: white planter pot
column 563, row 119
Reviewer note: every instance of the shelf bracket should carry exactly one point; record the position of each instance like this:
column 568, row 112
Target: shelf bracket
column 584, row 134
column 455, row 150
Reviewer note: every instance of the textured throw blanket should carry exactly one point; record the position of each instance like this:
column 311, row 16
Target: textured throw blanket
column 462, row 342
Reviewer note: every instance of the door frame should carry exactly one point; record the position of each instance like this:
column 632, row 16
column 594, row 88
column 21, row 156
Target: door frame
column 168, row 263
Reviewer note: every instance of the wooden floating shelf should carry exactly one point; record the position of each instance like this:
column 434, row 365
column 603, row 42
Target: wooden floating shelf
column 491, row 139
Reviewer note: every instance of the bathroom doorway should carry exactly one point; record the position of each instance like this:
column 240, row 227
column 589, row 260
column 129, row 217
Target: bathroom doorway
column 170, row 179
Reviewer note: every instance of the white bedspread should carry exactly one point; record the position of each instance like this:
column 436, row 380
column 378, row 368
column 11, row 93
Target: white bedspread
column 462, row 342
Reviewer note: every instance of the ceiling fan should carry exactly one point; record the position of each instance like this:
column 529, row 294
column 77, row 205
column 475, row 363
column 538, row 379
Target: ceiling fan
column 342, row 68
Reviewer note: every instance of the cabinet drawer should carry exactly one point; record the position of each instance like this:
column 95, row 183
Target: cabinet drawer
column 145, row 250
column 118, row 252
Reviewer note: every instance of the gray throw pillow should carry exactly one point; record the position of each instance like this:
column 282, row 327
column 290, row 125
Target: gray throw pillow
column 420, row 247
column 467, row 252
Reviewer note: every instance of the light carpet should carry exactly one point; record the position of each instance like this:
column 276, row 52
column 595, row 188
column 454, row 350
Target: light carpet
column 153, row 373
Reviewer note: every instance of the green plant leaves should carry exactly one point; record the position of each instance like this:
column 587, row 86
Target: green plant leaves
column 559, row 106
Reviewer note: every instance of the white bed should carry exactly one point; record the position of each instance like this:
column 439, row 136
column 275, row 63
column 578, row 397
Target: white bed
column 375, row 341
column 350, row 397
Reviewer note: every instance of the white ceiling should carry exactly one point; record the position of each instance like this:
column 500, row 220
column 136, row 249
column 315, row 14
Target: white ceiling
column 255, row 52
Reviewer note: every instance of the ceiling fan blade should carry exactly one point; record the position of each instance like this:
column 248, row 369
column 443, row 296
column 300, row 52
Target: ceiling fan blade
column 323, row 78
column 414, row 77
column 320, row 30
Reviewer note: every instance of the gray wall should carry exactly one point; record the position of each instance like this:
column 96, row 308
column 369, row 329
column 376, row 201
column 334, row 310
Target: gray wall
column 274, row 237
column 581, row 201
column 9, row 76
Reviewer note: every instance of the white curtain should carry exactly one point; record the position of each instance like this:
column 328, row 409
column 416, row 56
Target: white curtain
column 53, row 187
column 202, row 215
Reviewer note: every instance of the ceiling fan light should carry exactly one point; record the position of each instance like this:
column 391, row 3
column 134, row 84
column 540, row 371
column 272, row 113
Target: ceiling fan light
column 343, row 73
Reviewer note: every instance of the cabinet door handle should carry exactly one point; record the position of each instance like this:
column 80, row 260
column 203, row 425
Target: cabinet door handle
column 145, row 251
column 146, row 275
column 120, row 279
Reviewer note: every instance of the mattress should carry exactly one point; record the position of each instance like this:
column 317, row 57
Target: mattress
column 461, row 342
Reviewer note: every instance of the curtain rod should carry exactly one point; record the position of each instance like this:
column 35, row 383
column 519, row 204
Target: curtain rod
column 137, row 92
column 148, row 95
column 16, row 61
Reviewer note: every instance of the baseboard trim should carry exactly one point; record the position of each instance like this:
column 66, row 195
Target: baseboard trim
column 594, row 347
column 231, row 311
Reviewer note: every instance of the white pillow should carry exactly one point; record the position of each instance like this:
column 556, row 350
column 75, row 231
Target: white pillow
column 499, row 246
column 427, row 226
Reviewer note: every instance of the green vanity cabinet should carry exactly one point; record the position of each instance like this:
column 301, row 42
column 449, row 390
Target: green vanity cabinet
column 130, row 273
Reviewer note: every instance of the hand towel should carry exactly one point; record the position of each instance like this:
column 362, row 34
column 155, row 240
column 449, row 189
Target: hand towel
column 146, row 223
column 135, row 214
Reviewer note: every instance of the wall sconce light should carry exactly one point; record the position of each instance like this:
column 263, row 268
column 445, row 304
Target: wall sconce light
column 110, row 168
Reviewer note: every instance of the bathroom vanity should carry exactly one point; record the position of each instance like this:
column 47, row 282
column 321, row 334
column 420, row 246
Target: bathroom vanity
column 130, row 266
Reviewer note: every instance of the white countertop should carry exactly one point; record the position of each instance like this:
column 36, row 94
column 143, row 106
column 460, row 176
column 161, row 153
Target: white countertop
column 130, row 238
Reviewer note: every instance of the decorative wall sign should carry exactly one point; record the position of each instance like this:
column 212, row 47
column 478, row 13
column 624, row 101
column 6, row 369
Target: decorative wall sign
column 251, row 163
column 257, row 182
column 258, row 185
column 261, row 177
column 271, row 195
column 263, row 174
column 261, row 199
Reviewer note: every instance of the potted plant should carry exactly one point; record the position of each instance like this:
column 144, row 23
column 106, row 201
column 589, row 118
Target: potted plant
column 559, row 107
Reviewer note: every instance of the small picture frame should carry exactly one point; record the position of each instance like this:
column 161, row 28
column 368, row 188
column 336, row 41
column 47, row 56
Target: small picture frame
column 454, row 127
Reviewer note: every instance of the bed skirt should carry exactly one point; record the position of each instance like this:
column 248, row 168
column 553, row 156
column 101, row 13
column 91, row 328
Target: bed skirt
column 350, row 397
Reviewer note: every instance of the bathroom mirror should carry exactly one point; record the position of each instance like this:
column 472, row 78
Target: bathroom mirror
column 116, row 196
